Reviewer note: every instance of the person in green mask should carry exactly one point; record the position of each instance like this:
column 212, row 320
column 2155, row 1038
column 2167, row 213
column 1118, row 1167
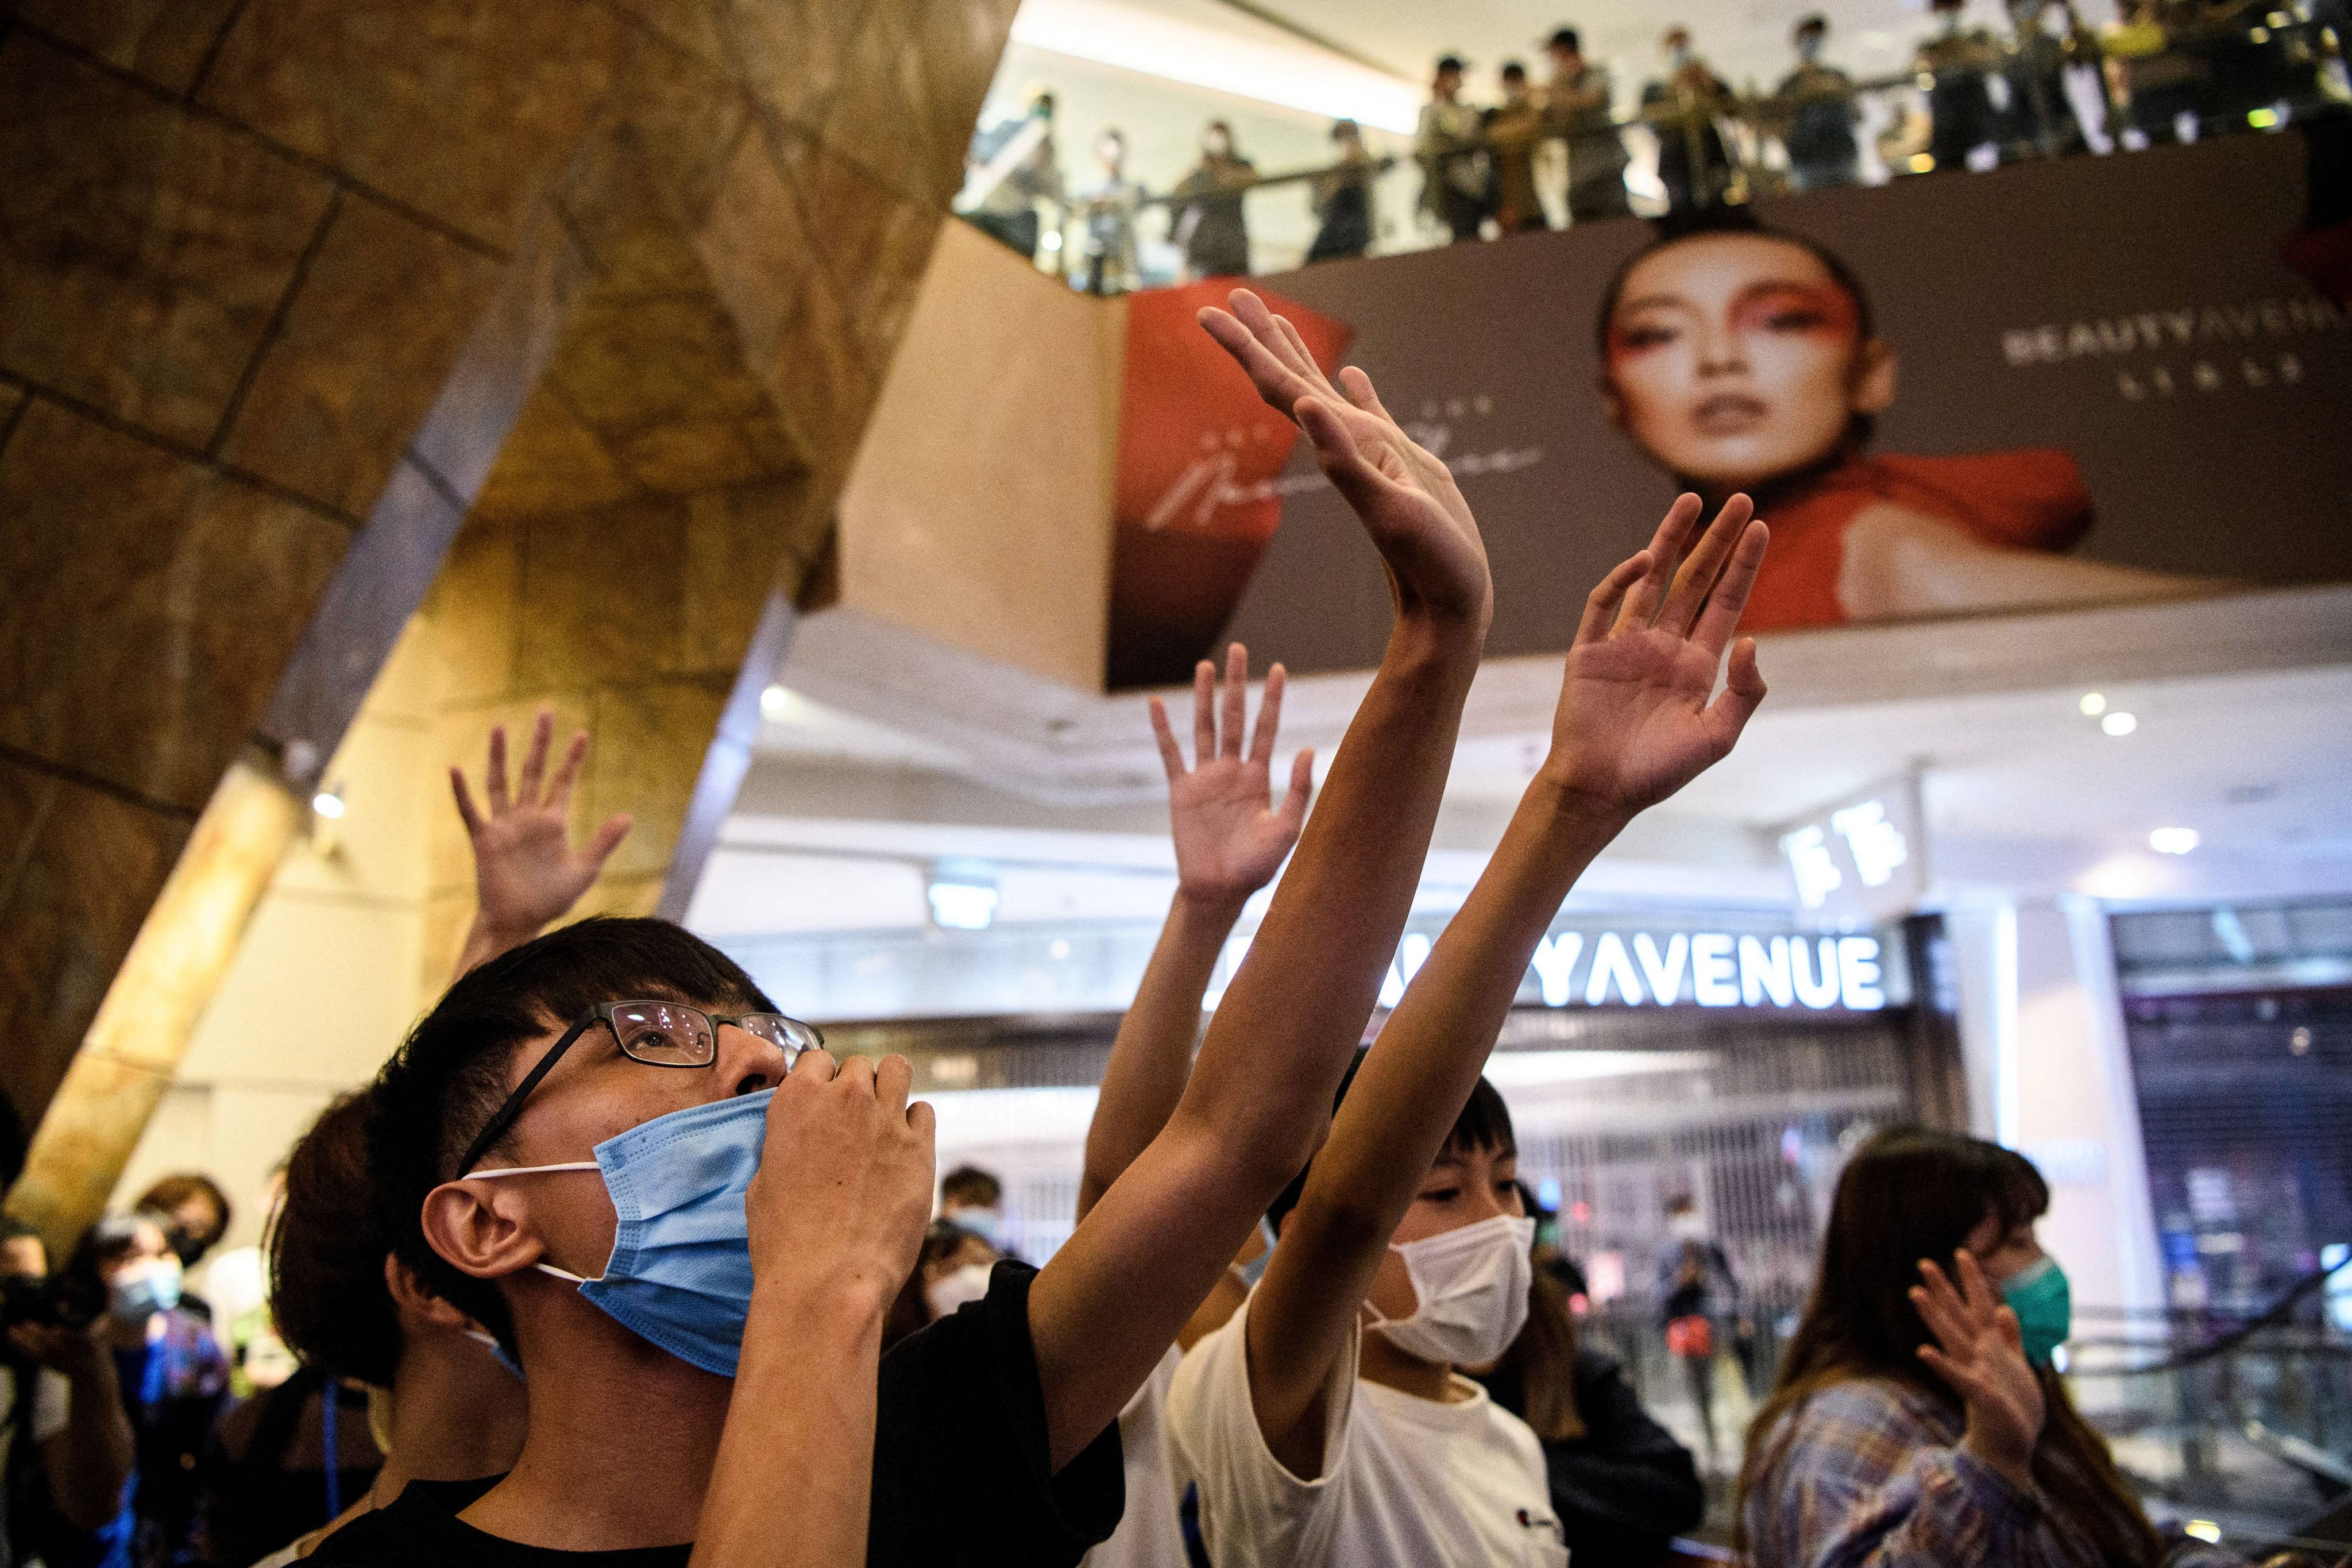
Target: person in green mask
column 1919, row 1417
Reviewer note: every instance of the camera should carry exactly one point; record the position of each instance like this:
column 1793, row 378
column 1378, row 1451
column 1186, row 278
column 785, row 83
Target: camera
column 54, row 1300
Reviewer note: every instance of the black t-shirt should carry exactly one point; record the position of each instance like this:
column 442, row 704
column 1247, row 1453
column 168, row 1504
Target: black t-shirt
column 961, row 1472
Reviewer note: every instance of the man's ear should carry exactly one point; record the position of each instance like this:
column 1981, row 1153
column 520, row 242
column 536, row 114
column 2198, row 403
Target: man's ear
column 1875, row 378
column 481, row 1228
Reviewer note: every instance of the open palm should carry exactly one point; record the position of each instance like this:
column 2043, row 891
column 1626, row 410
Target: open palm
column 1980, row 1353
column 526, row 872
column 1229, row 836
column 1634, row 722
column 1404, row 496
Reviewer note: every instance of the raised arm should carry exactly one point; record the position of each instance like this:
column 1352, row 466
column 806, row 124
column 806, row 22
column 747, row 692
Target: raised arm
column 1230, row 841
column 1110, row 1302
column 526, row 873
column 1633, row 725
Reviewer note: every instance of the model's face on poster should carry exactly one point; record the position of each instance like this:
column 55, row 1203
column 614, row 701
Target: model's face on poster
column 1733, row 358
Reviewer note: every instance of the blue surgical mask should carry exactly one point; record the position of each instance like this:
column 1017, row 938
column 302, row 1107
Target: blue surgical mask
column 137, row 1293
column 986, row 1224
column 681, row 1272
column 2044, row 1304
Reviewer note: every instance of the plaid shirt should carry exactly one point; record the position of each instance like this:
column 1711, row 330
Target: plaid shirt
column 1870, row 1474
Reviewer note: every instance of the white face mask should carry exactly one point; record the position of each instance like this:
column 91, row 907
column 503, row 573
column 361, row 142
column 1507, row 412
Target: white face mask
column 1687, row 1228
column 949, row 1291
column 986, row 1224
column 1471, row 1287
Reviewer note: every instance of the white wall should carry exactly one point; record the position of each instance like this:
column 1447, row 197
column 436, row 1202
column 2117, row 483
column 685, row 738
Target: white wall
column 2048, row 1073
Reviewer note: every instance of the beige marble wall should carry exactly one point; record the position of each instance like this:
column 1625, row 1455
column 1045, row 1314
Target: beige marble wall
column 590, row 298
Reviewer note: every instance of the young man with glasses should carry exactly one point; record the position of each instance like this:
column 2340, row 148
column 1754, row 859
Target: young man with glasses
column 627, row 1257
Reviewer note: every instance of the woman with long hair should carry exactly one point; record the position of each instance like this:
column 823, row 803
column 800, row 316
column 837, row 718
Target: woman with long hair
column 1919, row 1419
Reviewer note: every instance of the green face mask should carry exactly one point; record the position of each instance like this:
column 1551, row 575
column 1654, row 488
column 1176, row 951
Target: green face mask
column 2044, row 1305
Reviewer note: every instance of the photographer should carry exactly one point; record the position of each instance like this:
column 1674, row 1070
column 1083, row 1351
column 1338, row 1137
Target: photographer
column 57, row 1395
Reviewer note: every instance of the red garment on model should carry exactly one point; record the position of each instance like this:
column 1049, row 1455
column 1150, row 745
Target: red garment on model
column 2027, row 499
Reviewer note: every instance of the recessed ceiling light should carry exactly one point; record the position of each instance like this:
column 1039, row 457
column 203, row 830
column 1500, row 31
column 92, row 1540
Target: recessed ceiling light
column 2094, row 704
column 2173, row 840
column 775, row 704
column 2119, row 723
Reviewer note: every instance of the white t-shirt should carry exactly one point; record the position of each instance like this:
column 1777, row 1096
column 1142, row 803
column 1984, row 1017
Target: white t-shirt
column 1408, row 1482
column 1149, row 1535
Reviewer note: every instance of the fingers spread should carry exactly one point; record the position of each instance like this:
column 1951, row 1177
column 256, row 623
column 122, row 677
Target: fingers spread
column 494, row 779
column 467, row 812
column 1302, row 787
column 1233, row 723
column 1359, row 390
column 1361, row 484
column 1608, row 596
column 1665, row 553
column 558, row 792
column 1696, row 579
column 534, row 760
column 1742, row 694
column 1205, row 713
column 1269, row 716
column 1728, row 598
column 1267, row 373
column 1172, row 755
column 608, row 837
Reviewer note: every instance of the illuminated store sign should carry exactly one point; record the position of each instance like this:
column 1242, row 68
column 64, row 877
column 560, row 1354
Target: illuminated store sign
column 1709, row 969
column 1862, row 861
column 1679, row 968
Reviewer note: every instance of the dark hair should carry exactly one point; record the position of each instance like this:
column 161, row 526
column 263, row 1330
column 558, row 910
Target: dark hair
column 170, row 1191
column 1813, row 22
column 1514, row 70
column 327, row 1250
column 972, row 1186
column 108, row 1241
column 1485, row 1123
column 1565, row 38
column 450, row 1076
column 1449, row 63
column 1916, row 1193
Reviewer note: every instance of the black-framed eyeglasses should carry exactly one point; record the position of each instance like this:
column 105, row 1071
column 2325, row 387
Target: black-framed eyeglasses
column 658, row 1033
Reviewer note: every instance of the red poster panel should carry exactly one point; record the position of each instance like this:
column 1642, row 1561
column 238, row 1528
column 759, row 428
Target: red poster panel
column 1199, row 494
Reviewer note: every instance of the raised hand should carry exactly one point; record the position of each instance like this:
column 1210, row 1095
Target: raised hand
column 526, row 873
column 1634, row 722
column 1229, row 837
column 1405, row 498
column 1978, row 1352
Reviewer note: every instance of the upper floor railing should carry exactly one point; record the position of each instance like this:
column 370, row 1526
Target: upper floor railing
column 1970, row 101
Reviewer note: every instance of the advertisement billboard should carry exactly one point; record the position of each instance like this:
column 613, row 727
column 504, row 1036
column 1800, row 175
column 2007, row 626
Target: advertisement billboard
column 2072, row 383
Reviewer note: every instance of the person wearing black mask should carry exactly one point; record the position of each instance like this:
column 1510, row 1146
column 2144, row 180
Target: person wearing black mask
column 195, row 1213
column 1692, row 163
column 1816, row 112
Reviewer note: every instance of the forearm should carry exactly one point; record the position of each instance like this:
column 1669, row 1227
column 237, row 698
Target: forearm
column 1152, row 1056
column 89, row 1461
column 1315, row 967
column 1111, row 1301
column 1434, row 1045
column 792, row 1485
